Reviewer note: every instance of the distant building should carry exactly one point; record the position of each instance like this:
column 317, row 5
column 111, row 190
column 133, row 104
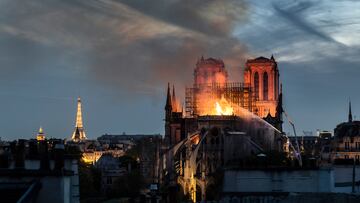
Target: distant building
column 124, row 138
column 347, row 139
column 149, row 148
column 318, row 146
column 40, row 136
column 79, row 132
column 111, row 170
column 325, row 146
column 307, row 144
column 92, row 156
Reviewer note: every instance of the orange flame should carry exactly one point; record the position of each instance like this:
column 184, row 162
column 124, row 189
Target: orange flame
column 216, row 107
column 223, row 107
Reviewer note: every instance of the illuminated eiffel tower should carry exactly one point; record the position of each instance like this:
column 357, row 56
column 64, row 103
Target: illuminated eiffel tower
column 79, row 133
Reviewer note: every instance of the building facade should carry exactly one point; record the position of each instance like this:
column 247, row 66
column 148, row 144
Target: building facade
column 346, row 144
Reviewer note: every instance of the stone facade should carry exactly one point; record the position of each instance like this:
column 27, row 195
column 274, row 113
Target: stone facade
column 263, row 76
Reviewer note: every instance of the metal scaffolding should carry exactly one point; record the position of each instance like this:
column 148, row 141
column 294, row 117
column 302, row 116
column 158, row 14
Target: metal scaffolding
column 237, row 94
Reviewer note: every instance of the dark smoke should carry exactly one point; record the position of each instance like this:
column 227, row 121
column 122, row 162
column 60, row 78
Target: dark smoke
column 134, row 45
column 201, row 28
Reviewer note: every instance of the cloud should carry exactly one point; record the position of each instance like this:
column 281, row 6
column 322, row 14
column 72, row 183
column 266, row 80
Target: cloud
column 293, row 14
column 132, row 45
column 213, row 18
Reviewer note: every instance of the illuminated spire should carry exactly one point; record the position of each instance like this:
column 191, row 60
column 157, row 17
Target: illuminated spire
column 174, row 101
column 168, row 99
column 40, row 136
column 40, row 130
column 79, row 133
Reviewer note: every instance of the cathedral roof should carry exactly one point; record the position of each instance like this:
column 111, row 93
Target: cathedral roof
column 261, row 59
column 350, row 129
column 210, row 61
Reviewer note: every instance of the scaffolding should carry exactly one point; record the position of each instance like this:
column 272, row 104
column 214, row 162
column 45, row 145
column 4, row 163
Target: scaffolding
column 237, row 94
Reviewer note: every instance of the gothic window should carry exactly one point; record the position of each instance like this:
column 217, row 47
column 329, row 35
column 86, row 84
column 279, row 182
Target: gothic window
column 109, row 180
column 347, row 145
column 266, row 86
column 357, row 145
column 256, row 85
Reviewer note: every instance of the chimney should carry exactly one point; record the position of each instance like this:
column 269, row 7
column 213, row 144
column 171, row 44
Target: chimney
column 59, row 156
column 4, row 159
column 44, row 156
column 33, row 150
column 20, row 155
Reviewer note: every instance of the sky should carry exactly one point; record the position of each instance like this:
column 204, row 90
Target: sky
column 119, row 55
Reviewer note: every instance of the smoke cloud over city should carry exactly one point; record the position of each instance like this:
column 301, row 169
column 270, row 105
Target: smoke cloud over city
column 137, row 44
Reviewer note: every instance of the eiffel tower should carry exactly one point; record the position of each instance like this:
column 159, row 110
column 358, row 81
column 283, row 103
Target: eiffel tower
column 79, row 133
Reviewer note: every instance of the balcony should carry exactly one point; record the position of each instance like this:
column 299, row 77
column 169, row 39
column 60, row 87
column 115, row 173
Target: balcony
column 351, row 149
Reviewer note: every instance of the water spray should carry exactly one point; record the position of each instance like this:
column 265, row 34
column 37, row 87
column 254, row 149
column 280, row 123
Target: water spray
column 297, row 151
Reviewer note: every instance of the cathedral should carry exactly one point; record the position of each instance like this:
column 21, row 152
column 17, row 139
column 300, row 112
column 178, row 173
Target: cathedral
column 260, row 94
column 223, row 123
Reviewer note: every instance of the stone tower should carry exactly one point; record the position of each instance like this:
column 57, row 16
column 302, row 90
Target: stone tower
column 173, row 118
column 209, row 71
column 79, row 133
column 262, row 75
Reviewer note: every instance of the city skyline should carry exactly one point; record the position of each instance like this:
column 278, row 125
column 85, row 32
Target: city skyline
column 52, row 54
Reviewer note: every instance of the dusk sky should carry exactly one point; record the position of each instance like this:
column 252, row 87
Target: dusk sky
column 119, row 55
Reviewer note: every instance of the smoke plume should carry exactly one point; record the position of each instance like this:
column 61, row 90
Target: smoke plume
column 135, row 45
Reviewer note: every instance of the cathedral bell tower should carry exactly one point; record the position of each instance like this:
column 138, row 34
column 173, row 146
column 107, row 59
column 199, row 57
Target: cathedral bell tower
column 262, row 75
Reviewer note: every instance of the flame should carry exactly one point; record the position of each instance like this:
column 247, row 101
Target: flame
column 215, row 106
column 223, row 108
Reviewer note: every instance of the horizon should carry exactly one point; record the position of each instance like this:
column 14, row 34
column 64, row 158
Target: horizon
column 118, row 56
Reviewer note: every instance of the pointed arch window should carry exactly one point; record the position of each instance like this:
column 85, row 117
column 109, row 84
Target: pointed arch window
column 266, row 86
column 256, row 85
